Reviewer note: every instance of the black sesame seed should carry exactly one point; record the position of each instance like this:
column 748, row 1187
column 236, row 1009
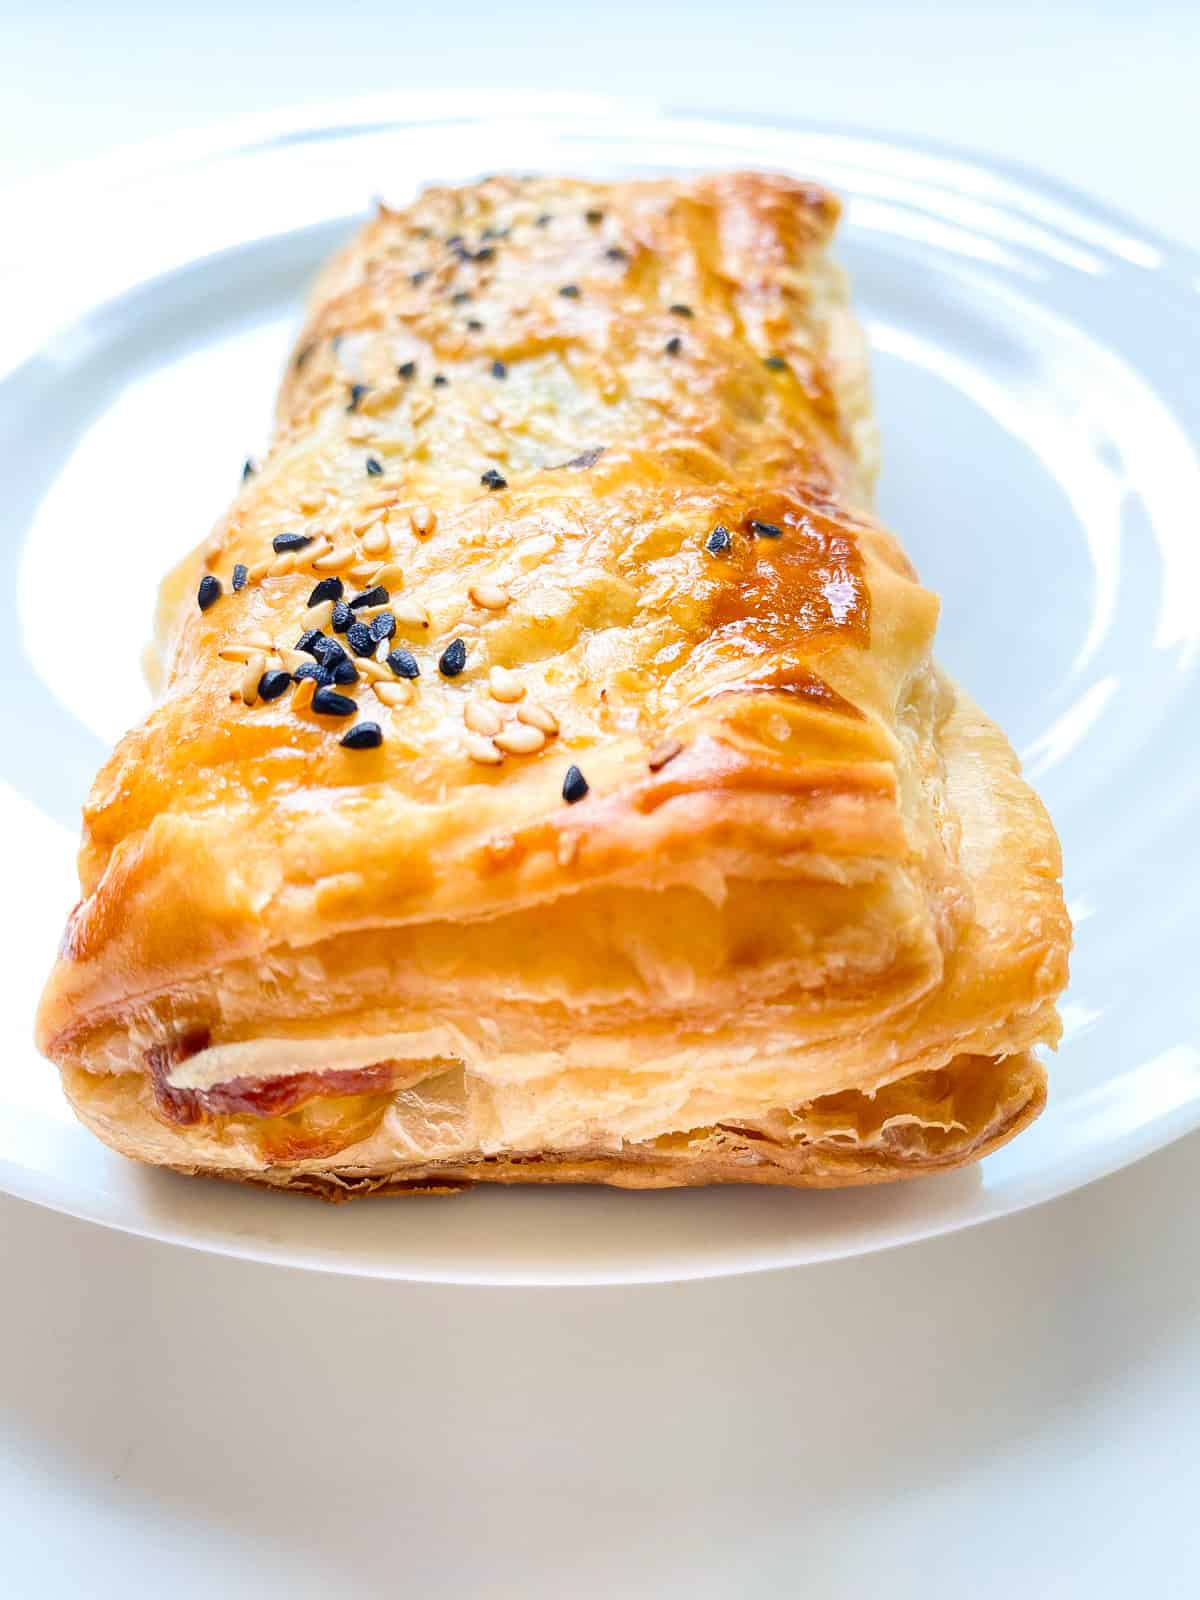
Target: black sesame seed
column 362, row 736
column 570, row 291
column 586, row 458
column 303, row 354
column 374, row 467
column 440, row 380
column 248, row 469
column 484, row 254
column 376, row 596
column 382, row 627
column 312, row 669
column 499, row 370
column 766, row 530
column 404, row 664
column 453, row 242
column 575, row 786
column 358, row 637
column 543, row 221
column 460, row 297
column 680, row 311
column 775, row 363
column 310, row 641
column 357, row 390
column 283, row 542
column 209, row 591
column 474, row 325
column 453, row 659
column 674, row 345
column 615, row 253
column 343, row 671
column 327, row 589
column 241, row 576
column 406, row 370
column 272, row 684
column 418, row 278
column 594, row 217
column 491, row 479
column 342, row 616
column 329, row 703
column 719, row 541
column 328, row 651
column 494, row 233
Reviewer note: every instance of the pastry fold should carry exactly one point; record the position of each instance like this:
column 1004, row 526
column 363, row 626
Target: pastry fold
column 550, row 778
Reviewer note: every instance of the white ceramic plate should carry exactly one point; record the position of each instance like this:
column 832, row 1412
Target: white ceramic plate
column 1035, row 362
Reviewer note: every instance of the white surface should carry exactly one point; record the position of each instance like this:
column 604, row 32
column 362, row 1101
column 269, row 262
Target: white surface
column 1039, row 334
column 1012, row 1411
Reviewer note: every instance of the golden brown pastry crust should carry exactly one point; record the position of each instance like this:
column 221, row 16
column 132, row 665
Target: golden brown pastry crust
column 806, row 865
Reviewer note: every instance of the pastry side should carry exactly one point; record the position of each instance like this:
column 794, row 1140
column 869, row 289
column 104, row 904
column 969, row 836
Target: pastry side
column 612, row 446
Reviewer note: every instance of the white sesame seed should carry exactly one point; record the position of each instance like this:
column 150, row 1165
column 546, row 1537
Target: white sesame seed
column 504, row 685
column 483, row 750
column 530, row 551
column 310, row 504
column 303, row 693
column 491, row 596
column 410, row 614
column 258, row 571
column 249, row 685
column 568, row 848
column 520, row 739
column 318, row 616
column 283, row 564
column 358, row 431
column 293, row 659
column 371, row 669
column 423, row 520
column 488, row 413
column 394, row 693
column 421, row 408
column 390, row 575
column 662, row 753
column 482, row 718
column 538, row 716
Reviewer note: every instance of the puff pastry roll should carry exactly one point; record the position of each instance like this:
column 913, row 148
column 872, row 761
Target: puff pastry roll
column 550, row 777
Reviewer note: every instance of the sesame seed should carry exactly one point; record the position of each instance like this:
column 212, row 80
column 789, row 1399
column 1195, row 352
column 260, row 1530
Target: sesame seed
column 258, row 571
column 309, row 641
column 358, row 637
column 313, row 670
column 328, row 703
column 593, row 216
column 342, row 617
column 587, row 458
column 543, row 221
column 248, row 469
column 377, row 595
column 407, row 369
column 719, row 541
column 482, row 718
column 303, row 354
column 302, row 698
column 673, row 345
column 417, row 279
column 775, row 363
column 404, row 664
column 382, row 627
column 575, row 786
column 286, row 543
column 393, row 694
column 491, row 596
column 318, row 616
column 504, row 685
column 485, row 253
column 209, row 591
column 491, row 479
column 680, row 310
column 488, row 413
column 255, row 668
column 331, row 560
column 328, row 651
column 615, row 253
column 499, row 370
column 521, row 739
column 283, row 565
column 363, row 736
column 390, row 575
column 662, row 753
column 454, row 240
column 423, row 520
column 460, row 297
column 272, row 684
column 327, row 589
column 373, row 670
column 374, row 467
column 240, row 574
column 440, row 380
column 483, row 751
column 766, row 530
column 343, row 671
column 376, row 541
column 538, row 716
column 357, row 390
column 570, row 291
column 453, row 658
column 474, row 325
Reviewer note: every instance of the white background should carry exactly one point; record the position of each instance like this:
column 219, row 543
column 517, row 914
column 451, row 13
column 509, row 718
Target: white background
column 1012, row 1411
